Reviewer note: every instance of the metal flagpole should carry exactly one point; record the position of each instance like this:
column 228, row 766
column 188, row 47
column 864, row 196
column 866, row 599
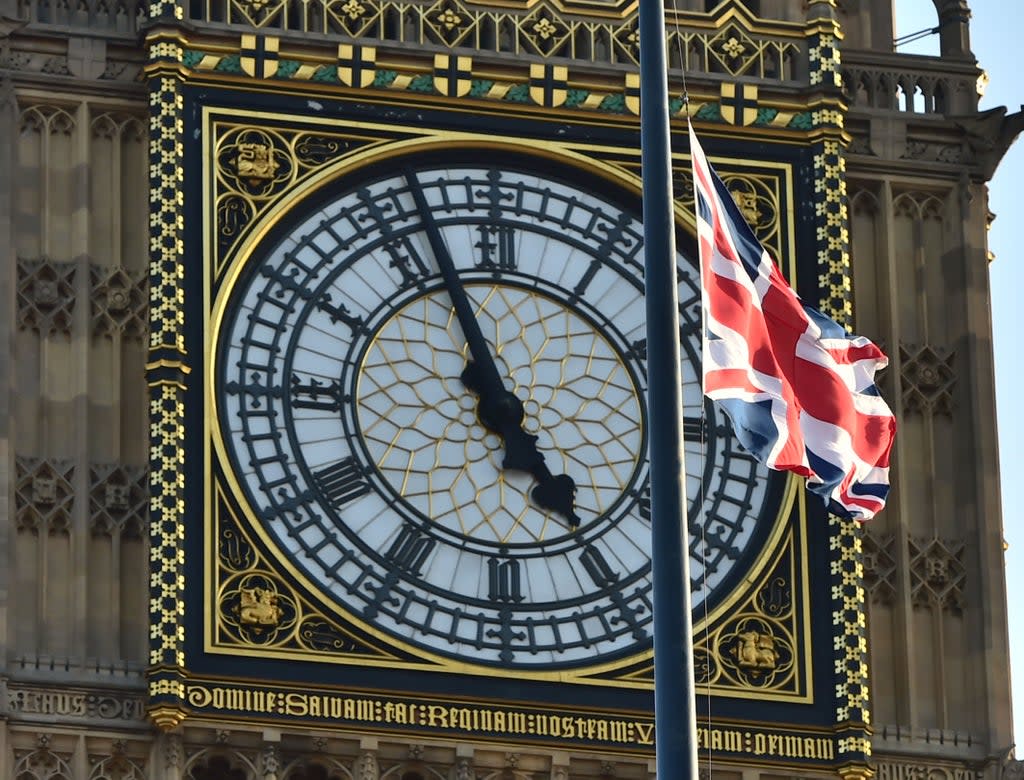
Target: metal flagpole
column 675, row 710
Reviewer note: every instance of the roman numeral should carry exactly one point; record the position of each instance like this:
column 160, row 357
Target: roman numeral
column 409, row 264
column 643, row 501
column 288, row 282
column 497, row 247
column 340, row 313
column 342, row 482
column 403, row 257
column 410, row 549
column 316, row 395
column 253, row 389
column 605, row 577
column 614, row 234
column 695, row 428
column 504, row 580
column 597, row 567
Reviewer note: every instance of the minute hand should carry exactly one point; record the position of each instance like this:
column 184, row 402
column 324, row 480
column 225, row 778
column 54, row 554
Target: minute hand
column 498, row 409
column 486, row 372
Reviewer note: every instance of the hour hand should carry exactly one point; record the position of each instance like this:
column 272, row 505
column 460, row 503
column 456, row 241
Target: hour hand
column 558, row 493
column 503, row 414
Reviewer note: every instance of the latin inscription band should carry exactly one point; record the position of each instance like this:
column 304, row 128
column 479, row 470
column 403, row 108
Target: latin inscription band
column 635, row 733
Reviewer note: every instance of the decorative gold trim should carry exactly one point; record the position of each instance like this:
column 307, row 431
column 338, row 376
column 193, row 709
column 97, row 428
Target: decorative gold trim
column 849, row 628
column 856, row 773
column 833, row 234
column 297, row 628
column 458, row 80
column 581, row 31
column 166, row 393
column 167, row 718
column 175, row 365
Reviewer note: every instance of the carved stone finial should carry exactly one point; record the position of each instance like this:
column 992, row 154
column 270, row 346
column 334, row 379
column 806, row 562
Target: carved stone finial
column 366, row 767
column 166, row 718
column 270, row 762
column 954, row 27
column 989, row 134
column 1012, row 770
column 463, row 770
column 821, row 9
column 174, row 753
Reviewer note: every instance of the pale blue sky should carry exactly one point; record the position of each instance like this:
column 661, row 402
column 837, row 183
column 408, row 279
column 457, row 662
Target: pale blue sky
column 995, row 39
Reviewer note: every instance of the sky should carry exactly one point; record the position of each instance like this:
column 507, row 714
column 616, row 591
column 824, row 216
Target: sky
column 995, row 39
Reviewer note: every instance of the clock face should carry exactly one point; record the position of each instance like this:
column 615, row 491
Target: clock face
column 470, row 478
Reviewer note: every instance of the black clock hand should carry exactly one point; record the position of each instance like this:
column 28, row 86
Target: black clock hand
column 502, row 412
column 498, row 409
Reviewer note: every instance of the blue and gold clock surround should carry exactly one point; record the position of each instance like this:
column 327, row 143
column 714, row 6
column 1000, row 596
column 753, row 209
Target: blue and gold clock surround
column 363, row 558
column 354, row 448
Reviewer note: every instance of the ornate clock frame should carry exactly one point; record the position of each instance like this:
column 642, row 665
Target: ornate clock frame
column 235, row 636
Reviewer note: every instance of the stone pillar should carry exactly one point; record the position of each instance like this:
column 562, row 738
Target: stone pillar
column 954, row 28
column 366, row 767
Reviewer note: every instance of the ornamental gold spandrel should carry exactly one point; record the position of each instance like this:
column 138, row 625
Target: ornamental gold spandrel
column 254, row 162
column 760, row 198
column 257, row 607
column 256, row 166
column 757, row 645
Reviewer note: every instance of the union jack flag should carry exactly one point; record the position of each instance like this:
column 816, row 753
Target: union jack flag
column 798, row 388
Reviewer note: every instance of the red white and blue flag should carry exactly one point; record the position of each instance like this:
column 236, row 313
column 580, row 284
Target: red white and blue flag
column 798, row 388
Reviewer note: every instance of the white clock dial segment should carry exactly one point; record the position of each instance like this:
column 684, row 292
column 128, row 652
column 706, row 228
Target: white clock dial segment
column 478, row 497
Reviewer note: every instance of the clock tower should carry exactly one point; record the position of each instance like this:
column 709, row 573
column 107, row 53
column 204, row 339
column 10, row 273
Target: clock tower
column 326, row 421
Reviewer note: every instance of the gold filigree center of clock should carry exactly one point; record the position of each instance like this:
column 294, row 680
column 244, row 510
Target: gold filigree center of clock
column 419, row 422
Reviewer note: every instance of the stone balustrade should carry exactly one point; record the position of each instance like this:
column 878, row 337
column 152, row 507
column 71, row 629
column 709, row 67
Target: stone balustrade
column 901, row 83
